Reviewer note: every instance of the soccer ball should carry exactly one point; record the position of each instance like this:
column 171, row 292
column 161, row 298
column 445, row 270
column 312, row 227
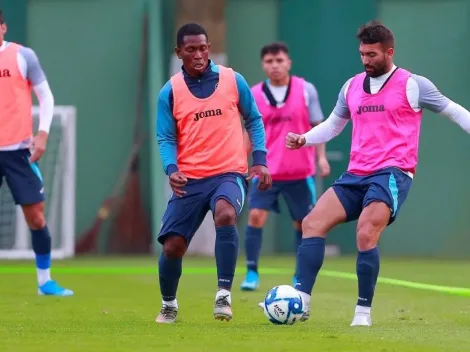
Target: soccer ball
column 283, row 305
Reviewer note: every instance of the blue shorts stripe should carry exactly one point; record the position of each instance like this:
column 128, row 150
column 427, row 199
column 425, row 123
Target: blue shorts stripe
column 392, row 185
column 242, row 191
column 36, row 170
column 312, row 188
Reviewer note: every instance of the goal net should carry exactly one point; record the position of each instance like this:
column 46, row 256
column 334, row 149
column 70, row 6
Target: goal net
column 58, row 171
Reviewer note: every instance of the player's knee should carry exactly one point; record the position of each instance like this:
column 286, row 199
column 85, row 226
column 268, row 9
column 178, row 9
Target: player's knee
column 175, row 247
column 367, row 236
column 34, row 216
column 313, row 226
column 224, row 214
column 257, row 218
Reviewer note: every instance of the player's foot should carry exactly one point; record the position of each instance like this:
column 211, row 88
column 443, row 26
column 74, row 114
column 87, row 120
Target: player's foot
column 306, row 300
column 251, row 282
column 306, row 315
column 222, row 306
column 51, row 288
column 362, row 317
column 167, row 315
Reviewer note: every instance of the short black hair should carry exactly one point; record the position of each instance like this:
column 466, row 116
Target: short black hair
column 375, row 32
column 2, row 21
column 274, row 48
column 189, row 29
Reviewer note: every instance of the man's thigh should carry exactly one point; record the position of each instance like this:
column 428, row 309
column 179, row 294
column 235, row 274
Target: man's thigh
column 23, row 177
column 390, row 186
column 185, row 214
column 350, row 190
column 232, row 188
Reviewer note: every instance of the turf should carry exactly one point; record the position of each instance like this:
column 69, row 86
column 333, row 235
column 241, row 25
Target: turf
column 117, row 300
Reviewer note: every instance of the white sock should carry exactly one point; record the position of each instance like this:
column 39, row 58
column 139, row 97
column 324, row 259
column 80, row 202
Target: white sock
column 173, row 304
column 223, row 292
column 305, row 298
column 44, row 275
column 362, row 310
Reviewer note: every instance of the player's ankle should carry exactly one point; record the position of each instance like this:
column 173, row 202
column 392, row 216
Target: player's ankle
column 171, row 303
column 305, row 298
column 362, row 309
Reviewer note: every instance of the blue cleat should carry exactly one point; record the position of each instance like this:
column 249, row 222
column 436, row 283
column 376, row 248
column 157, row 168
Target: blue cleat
column 51, row 288
column 251, row 282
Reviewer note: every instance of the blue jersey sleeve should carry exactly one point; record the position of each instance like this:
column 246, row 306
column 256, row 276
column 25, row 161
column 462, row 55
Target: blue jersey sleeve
column 166, row 131
column 253, row 120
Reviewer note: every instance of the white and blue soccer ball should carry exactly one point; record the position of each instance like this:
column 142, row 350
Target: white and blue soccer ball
column 283, row 305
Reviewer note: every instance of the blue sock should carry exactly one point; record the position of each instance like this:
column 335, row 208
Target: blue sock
column 367, row 267
column 169, row 273
column 253, row 240
column 298, row 241
column 309, row 261
column 226, row 252
column 41, row 241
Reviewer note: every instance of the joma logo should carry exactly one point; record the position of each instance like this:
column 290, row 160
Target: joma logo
column 369, row 108
column 207, row 113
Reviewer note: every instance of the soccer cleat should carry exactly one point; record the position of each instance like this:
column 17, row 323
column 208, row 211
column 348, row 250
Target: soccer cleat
column 222, row 308
column 306, row 315
column 167, row 315
column 251, row 282
column 51, row 288
column 361, row 319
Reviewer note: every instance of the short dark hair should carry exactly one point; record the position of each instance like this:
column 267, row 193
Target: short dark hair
column 2, row 21
column 189, row 29
column 375, row 32
column 274, row 48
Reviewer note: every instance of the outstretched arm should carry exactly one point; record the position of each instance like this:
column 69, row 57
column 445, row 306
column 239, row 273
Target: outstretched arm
column 429, row 97
column 253, row 121
column 166, row 131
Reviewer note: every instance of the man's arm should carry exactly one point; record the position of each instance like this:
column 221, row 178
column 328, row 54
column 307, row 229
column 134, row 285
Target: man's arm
column 432, row 99
column 334, row 124
column 35, row 75
column 166, row 131
column 253, row 120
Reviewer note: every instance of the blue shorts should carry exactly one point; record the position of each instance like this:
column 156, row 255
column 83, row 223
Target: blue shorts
column 22, row 177
column 389, row 185
column 300, row 196
column 184, row 215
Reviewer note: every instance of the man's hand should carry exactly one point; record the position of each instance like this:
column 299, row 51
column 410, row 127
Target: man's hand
column 39, row 146
column 295, row 141
column 177, row 181
column 324, row 167
column 262, row 172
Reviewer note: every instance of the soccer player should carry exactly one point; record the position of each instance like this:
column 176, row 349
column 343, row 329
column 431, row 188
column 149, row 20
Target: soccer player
column 19, row 71
column 385, row 106
column 200, row 137
column 287, row 103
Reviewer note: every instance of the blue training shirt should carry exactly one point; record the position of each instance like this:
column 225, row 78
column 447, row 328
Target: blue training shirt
column 202, row 87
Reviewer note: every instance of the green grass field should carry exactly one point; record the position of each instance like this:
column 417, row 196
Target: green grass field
column 116, row 301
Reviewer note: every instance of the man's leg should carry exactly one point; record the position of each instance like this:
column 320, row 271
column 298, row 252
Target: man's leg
column 372, row 222
column 226, row 204
column 387, row 191
column 327, row 213
column 181, row 220
column 260, row 202
column 300, row 198
column 253, row 241
column 25, row 182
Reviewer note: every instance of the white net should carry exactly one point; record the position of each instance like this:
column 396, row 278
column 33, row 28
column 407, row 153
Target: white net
column 58, row 170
